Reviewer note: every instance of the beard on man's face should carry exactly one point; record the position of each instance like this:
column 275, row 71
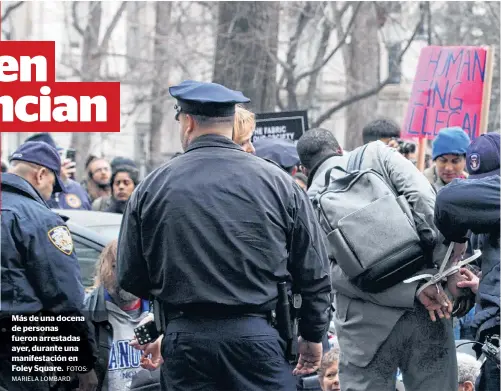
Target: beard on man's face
column 103, row 186
column 101, row 183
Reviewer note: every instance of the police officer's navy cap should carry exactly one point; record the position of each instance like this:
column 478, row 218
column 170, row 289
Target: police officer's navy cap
column 482, row 156
column 206, row 99
column 281, row 151
column 42, row 154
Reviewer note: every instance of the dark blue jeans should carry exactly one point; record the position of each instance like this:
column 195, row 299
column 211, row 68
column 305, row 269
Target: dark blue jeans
column 232, row 354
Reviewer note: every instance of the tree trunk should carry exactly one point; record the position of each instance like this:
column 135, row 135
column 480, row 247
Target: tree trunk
column 246, row 50
column 362, row 73
column 90, row 67
column 161, row 83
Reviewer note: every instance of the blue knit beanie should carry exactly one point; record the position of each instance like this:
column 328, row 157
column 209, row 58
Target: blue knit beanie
column 450, row 141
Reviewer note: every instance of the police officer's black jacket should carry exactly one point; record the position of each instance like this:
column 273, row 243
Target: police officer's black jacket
column 220, row 227
column 40, row 271
column 474, row 204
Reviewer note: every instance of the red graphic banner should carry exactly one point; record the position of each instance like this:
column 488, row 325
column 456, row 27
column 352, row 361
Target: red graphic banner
column 447, row 91
column 31, row 100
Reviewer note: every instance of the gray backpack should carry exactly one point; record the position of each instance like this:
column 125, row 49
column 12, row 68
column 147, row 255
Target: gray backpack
column 370, row 229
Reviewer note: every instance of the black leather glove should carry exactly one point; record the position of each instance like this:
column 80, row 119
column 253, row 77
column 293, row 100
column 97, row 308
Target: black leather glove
column 463, row 304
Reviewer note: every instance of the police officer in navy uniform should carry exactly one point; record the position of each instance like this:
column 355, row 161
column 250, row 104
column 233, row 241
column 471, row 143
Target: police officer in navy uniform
column 284, row 153
column 40, row 272
column 473, row 204
column 210, row 234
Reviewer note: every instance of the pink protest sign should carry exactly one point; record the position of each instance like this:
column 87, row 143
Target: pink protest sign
column 448, row 90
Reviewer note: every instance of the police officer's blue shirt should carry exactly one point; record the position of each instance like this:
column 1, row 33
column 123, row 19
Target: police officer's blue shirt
column 75, row 197
column 39, row 267
column 40, row 270
column 220, row 227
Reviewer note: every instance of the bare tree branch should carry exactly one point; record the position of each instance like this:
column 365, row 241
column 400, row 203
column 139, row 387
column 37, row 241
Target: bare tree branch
column 74, row 17
column 276, row 59
column 372, row 91
column 338, row 17
column 322, row 48
column 76, row 72
column 494, row 15
column 344, row 8
column 278, row 90
column 160, row 88
column 10, row 9
column 208, row 5
column 341, row 42
column 109, row 30
column 303, row 19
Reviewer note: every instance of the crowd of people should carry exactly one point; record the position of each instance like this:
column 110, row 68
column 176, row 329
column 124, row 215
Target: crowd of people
column 211, row 232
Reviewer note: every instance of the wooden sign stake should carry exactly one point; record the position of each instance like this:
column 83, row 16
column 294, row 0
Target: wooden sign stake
column 421, row 147
column 486, row 98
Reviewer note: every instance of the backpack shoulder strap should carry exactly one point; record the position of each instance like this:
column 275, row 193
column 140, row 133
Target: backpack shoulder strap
column 328, row 174
column 327, row 179
column 355, row 160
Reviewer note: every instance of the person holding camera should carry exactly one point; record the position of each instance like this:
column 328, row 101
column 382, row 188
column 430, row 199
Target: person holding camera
column 473, row 205
column 388, row 132
column 405, row 148
column 74, row 196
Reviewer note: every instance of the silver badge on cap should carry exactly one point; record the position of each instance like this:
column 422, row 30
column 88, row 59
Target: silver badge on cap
column 474, row 161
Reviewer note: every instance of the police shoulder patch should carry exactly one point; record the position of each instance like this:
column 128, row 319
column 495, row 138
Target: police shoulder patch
column 474, row 161
column 73, row 201
column 61, row 238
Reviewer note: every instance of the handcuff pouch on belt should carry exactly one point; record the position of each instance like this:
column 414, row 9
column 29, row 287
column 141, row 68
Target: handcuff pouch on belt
column 286, row 320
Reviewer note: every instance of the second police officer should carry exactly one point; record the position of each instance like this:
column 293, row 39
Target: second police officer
column 210, row 234
column 40, row 271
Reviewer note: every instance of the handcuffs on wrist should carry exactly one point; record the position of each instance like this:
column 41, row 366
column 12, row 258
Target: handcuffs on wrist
column 443, row 274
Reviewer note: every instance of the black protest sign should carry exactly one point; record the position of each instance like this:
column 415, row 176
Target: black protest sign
column 289, row 125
